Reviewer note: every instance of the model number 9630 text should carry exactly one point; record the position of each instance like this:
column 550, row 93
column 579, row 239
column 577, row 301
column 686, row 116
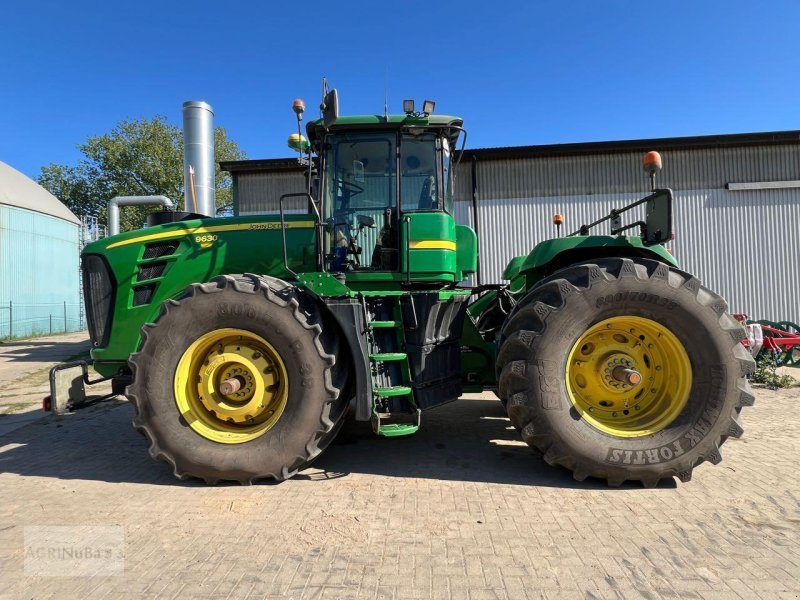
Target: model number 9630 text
column 205, row 239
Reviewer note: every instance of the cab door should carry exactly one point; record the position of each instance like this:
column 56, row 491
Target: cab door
column 428, row 230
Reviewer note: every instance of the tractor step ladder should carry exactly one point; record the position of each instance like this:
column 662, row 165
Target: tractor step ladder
column 376, row 358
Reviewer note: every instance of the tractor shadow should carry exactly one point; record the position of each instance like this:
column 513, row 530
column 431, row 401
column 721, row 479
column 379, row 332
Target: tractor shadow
column 469, row 441
column 44, row 352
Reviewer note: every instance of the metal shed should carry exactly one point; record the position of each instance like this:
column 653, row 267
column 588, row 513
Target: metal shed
column 39, row 250
column 737, row 204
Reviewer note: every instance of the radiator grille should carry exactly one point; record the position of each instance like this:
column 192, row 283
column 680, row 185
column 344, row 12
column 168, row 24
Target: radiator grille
column 98, row 290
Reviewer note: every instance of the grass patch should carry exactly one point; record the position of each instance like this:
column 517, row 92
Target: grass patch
column 766, row 366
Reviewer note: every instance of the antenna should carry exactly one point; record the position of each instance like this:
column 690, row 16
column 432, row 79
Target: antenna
column 386, row 94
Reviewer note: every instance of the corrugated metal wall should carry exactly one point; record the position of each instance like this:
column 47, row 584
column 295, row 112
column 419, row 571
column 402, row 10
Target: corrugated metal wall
column 684, row 169
column 743, row 244
column 258, row 193
column 38, row 273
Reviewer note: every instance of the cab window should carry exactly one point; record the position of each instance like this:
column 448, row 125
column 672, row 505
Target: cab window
column 360, row 200
column 447, row 176
column 419, row 183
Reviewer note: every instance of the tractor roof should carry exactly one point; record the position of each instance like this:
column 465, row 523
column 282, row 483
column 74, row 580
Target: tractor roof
column 316, row 129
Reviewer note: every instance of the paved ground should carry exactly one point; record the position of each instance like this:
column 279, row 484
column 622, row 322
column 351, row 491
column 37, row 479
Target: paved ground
column 24, row 365
column 461, row 510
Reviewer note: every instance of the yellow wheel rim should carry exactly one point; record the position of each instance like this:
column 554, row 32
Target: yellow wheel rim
column 231, row 386
column 629, row 376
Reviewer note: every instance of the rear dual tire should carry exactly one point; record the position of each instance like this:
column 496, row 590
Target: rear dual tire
column 537, row 361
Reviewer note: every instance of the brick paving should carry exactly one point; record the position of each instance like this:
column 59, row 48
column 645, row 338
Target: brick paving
column 24, row 365
column 461, row 510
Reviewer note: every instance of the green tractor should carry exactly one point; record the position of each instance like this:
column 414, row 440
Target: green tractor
column 244, row 342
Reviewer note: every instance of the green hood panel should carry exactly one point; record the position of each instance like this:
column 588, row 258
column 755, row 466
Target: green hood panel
column 551, row 253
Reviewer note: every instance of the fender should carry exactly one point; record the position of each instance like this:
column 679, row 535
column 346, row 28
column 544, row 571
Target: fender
column 548, row 257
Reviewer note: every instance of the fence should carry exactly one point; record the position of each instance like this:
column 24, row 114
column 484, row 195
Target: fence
column 19, row 320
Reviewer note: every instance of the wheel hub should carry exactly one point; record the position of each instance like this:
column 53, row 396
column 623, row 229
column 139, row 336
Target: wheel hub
column 231, row 386
column 616, row 369
column 628, row 376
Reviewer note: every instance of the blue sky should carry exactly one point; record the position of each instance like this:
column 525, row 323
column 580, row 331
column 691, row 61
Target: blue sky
column 519, row 73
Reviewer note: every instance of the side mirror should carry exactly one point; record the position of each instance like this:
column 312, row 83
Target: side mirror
column 365, row 221
column 330, row 108
column 658, row 219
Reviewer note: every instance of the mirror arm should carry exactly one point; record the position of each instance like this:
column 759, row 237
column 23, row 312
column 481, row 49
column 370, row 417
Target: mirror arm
column 619, row 230
column 615, row 213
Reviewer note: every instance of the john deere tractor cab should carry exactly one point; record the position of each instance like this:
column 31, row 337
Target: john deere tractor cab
column 244, row 342
column 375, row 176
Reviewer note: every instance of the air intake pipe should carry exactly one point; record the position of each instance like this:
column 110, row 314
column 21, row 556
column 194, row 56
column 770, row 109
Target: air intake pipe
column 198, row 158
column 117, row 201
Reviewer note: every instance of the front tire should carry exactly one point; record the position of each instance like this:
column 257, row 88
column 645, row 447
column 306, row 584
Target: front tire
column 271, row 347
column 682, row 371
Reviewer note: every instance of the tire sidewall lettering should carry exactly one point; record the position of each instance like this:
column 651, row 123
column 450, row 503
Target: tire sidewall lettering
column 664, row 299
column 278, row 324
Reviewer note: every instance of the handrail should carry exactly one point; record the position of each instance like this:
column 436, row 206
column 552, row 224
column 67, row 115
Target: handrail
column 317, row 226
column 407, row 221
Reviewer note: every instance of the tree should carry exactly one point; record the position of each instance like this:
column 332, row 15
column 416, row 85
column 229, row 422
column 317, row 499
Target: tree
column 137, row 158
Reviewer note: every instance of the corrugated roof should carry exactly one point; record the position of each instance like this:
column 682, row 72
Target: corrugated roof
column 697, row 142
column 22, row 192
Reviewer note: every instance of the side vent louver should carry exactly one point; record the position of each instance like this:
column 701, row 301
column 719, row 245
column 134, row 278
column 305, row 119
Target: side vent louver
column 150, row 271
column 143, row 294
column 160, row 249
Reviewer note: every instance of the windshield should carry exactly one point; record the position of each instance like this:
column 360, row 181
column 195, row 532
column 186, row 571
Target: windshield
column 359, row 173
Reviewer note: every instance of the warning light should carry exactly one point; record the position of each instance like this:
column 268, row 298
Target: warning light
column 558, row 219
column 652, row 162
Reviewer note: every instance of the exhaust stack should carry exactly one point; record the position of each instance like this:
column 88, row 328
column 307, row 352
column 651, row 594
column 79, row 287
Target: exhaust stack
column 198, row 158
